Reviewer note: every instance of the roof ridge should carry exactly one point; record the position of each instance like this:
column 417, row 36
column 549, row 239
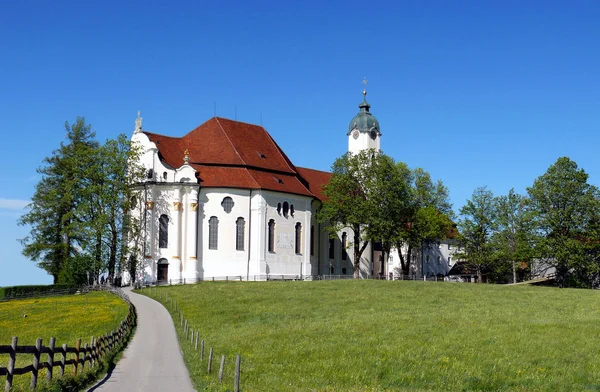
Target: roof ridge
column 253, row 179
column 230, row 142
column 315, row 170
column 283, row 155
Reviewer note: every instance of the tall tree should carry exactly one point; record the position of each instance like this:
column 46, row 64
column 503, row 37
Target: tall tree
column 79, row 213
column 352, row 199
column 429, row 217
column 390, row 197
column 476, row 226
column 566, row 212
column 512, row 240
column 53, row 237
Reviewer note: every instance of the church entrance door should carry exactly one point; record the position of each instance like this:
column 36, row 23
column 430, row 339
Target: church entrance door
column 162, row 273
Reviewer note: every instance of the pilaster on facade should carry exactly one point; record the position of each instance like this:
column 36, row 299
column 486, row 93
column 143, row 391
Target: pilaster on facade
column 191, row 235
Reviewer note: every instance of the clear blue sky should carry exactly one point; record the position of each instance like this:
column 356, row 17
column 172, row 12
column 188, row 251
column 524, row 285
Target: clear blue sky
column 476, row 92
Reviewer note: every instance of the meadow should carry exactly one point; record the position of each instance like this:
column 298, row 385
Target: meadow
column 400, row 335
column 67, row 318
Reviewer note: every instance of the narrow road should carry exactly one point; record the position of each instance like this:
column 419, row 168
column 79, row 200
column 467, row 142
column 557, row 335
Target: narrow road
column 152, row 361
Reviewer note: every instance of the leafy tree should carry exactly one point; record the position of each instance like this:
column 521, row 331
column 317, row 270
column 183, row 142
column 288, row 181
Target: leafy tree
column 566, row 212
column 512, row 240
column 108, row 200
column 429, row 216
column 54, row 234
column 390, row 197
column 353, row 194
column 78, row 215
column 476, row 226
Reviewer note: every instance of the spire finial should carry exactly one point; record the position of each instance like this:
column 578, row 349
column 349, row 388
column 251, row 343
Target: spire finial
column 365, row 88
column 138, row 123
column 186, row 156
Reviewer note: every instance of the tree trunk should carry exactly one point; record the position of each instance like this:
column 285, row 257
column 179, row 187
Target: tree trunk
column 358, row 250
column 402, row 263
column 514, row 270
column 112, row 259
column 479, row 275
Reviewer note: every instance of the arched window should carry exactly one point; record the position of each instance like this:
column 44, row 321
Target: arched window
column 239, row 233
column 150, row 174
column 291, row 209
column 163, row 231
column 331, row 248
column 312, row 240
column 279, row 208
column 286, row 208
column 331, row 270
column 227, row 204
column 165, row 176
column 344, row 270
column 213, row 233
column 298, row 238
column 344, row 245
column 271, row 239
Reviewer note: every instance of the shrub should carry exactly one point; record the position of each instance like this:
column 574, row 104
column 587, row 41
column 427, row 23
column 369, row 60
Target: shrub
column 33, row 290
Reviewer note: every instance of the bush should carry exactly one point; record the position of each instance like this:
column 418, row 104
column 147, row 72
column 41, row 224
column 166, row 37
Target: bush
column 35, row 290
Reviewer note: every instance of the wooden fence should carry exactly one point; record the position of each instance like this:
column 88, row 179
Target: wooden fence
column 91, row 353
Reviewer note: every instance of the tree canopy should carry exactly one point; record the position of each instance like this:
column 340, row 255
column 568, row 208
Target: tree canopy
column 78, row 214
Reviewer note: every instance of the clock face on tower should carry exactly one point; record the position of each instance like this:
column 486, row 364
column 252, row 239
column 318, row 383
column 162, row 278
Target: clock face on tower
column 355, row 134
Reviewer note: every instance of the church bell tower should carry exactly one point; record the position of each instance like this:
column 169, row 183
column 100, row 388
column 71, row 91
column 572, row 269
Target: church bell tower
column 363, row 131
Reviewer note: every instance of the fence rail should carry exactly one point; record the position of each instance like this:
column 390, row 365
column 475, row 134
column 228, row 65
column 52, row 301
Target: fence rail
column 90, row 353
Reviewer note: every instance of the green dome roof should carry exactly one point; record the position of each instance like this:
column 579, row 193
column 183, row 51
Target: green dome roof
column 364, row 120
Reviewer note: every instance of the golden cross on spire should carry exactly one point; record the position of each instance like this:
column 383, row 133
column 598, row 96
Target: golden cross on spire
column 365, row 88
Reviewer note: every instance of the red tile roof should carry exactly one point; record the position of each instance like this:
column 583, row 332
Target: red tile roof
column 232, row 154
column 316, row 180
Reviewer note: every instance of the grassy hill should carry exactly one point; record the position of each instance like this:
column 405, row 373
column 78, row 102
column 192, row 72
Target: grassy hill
column 380, row 335
column 67, row 318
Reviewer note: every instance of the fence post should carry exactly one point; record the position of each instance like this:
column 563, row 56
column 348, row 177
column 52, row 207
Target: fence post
column 92, row 352
column 77, row 346
column 11, row 363
column 63, row 360
column 36, row 363
column 85, row 350
column 196, row 345
column 238, row 363
column 202, row 350
column 210, row 357
column 221, row 368
column 50, row 359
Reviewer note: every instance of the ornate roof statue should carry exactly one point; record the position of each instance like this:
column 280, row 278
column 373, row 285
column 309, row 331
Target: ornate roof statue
column 138, row 124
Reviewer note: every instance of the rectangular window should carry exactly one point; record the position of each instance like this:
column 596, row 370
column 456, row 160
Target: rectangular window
column 239, row 233
column 271, row 236
column 312, row 240
column 344, row 245
column 298, row 242
column 213, row 233
column 332, row 248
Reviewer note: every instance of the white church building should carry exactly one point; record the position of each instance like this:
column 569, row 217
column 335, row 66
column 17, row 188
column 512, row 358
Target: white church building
column 225, row 202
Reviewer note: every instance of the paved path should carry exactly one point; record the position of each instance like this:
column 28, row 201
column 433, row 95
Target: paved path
column 152, row 361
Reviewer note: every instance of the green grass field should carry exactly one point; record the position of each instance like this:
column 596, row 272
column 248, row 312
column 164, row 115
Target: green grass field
column 381, row 335
column 67, row 318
